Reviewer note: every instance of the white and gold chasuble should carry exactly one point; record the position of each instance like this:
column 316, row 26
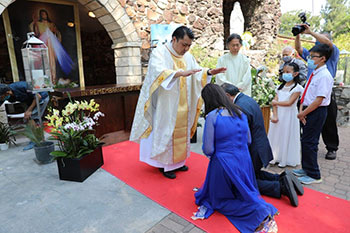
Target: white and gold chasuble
column 168, row 108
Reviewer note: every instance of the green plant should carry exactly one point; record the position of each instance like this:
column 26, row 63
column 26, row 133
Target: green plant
column 34, row 132
column 73, row 128
column 263, row 88
column 204, row 60
column 7, row 135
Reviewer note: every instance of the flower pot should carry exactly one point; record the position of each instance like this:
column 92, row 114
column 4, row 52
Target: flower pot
column 266, row 112
column 80, row 169
column 42, row 153
column 4, row 146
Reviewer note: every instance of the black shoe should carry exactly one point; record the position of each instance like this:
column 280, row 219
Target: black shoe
column 331, row 155
column 184, row 168
column 287, row 188
column 297, row 185
column 168, row 174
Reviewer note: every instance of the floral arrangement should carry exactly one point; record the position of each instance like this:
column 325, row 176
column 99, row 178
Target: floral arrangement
column 73, row 128
column 263, row 88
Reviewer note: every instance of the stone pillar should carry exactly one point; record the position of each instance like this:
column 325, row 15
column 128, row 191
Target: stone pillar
column 128, row 62
column 3, row 115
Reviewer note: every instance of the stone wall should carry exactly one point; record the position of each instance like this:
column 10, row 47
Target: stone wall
column 342, row 95
column 206, row 18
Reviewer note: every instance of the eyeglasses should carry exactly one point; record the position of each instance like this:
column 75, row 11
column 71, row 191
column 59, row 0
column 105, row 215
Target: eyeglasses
column 310, row 57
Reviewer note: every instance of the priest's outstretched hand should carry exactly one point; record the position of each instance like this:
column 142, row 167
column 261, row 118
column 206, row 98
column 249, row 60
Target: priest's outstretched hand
column 186, row 73
column 217, row 71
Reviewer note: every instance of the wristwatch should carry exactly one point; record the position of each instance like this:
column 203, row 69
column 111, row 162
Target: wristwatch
column 208, row 72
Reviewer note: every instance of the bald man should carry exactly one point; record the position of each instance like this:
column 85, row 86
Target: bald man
column 288, row 56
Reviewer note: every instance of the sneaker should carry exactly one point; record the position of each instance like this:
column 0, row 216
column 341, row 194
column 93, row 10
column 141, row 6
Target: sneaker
column 331, row 155
column 29, row 146
column 299, row 172
column 309, row 180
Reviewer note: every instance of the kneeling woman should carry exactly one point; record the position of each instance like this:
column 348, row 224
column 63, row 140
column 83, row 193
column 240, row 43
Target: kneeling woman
column 230, row 186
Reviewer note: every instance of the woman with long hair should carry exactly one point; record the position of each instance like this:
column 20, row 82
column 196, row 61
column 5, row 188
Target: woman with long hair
column 230, row 186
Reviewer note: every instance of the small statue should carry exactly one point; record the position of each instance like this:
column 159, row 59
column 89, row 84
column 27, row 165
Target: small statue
column 236, row 20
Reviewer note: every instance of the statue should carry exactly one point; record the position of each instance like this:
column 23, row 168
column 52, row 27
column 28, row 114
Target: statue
column 237, row 20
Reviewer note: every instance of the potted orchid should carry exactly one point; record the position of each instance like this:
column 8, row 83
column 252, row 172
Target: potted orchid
column 80, row 152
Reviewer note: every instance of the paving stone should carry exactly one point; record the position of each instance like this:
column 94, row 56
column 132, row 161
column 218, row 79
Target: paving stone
column 196, row 230
column 178, row 219
column 326, row 188
column 167, row 222
column 188, row 228
column 342, row 186
column 160, row 229
column 337, row 172
column 342, row 192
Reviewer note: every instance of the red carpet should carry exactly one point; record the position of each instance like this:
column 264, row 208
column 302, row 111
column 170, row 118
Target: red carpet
column 317, row 212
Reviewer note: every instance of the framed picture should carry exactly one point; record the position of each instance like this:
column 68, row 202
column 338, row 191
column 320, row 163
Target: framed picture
column 57, row 25
column 161, row 33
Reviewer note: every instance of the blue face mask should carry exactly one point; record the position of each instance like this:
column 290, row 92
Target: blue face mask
column 287, row 77
column 311, row 64
column 6, row 98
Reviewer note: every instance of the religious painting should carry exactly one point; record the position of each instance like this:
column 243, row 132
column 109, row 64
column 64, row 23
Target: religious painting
column 56, row 23
column 161, row 33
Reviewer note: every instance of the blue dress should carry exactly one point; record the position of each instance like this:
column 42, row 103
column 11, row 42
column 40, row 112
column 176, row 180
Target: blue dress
column 230, row 186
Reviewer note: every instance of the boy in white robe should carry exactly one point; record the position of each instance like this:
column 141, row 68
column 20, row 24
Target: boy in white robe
column 169, row 104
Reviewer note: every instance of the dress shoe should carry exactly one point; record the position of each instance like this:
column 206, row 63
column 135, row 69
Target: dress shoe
column 287, row 188
column 297, row 185
column 168, row 174
column 331, row 155
column 184, row 168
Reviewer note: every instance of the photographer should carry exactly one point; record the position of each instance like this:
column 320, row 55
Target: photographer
column 329, row 132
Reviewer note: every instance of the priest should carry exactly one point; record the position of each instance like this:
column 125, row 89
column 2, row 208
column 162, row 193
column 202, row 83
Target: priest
column 169, row 104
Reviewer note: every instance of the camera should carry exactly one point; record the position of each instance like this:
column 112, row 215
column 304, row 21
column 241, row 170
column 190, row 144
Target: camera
column 298, row 28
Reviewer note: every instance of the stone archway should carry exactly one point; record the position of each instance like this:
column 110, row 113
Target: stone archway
column 126, row 42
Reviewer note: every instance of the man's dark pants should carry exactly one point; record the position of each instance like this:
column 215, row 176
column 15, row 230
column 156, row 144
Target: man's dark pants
column 330, row 131
column 268, row 183
column 309, row 141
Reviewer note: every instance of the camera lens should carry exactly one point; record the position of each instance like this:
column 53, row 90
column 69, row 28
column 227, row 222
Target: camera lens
column 297, row 29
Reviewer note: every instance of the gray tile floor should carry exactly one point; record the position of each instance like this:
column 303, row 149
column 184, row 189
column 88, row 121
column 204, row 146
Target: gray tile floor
column 34, row 200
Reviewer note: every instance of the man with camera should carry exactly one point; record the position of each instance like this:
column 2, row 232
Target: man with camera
column 329, row 131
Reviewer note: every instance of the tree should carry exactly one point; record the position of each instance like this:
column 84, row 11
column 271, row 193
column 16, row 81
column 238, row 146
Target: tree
column 290, row 19
column 336, row 14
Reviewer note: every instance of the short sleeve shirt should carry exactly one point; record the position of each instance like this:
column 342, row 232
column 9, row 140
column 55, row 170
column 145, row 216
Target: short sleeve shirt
column 321, row 85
